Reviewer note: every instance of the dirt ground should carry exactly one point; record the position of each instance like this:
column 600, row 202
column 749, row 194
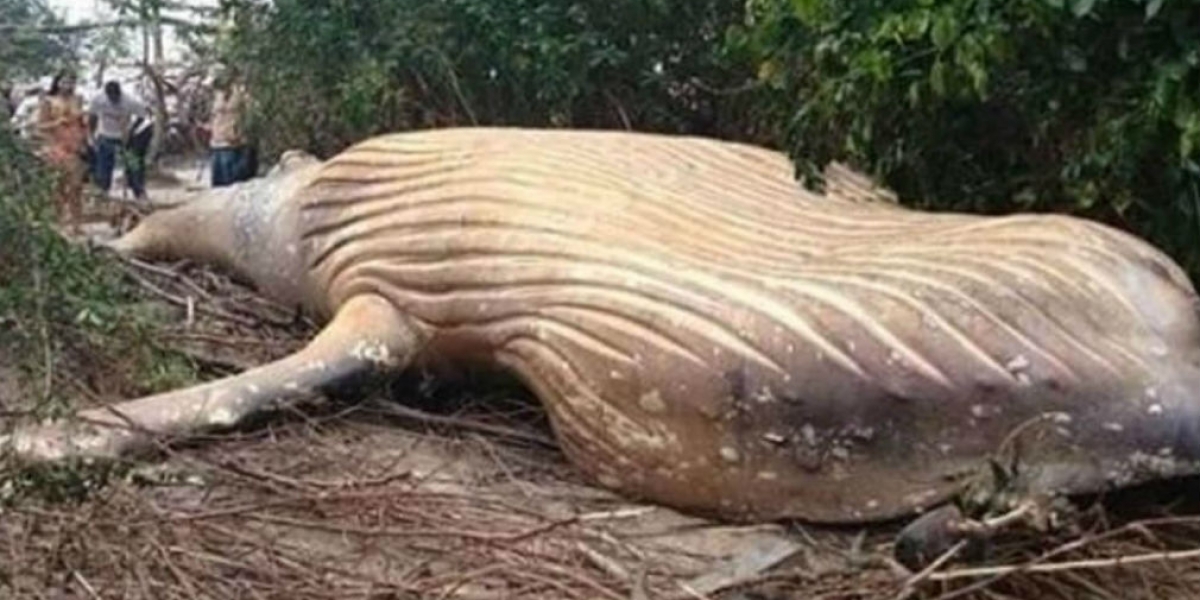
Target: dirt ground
column 436, row 489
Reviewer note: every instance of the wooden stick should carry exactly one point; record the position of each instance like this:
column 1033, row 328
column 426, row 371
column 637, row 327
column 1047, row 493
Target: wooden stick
column 1095, row 563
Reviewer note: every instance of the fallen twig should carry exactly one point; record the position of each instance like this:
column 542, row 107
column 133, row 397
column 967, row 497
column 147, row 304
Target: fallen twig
column 1074, row 565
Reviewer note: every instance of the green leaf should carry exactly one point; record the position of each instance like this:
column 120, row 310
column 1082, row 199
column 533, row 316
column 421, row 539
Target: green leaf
column 937, row 78
column 1074, row 59
column 1152, row 8
column 945, row 26
column 808, row 11
column 1082, row 7
column 914, row 94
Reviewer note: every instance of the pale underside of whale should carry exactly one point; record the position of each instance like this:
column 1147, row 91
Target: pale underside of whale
column 707, row 334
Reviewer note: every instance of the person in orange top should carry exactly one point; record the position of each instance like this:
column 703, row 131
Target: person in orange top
column 61, row 132
column 233, row 157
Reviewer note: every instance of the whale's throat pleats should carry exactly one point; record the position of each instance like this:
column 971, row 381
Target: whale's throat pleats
column 684, row 307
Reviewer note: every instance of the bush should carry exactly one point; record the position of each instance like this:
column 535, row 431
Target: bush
column 64, row 311
column 326, row 74
column 1088, row 107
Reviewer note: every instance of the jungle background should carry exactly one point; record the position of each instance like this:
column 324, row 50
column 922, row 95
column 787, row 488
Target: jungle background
column 1085, row 107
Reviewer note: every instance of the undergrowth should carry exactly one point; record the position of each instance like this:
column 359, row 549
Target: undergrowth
column 72, row 330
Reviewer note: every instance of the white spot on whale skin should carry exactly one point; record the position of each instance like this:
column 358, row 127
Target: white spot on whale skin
column 729, row 454
column 609, row 481
column 920, row 498
column 222, row 417
column 774, row 438
column 1155, row 409
column 375, row 352
column 1114, row 427
column 768, row 475
column 764, row 395
column 1017, row 364
column 652, row 402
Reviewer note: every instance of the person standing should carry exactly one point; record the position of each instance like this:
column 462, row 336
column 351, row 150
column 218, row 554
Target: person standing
column 110, row 115
column 137, row 147
column 61, row 133
column 233, row 159
column 25, row 116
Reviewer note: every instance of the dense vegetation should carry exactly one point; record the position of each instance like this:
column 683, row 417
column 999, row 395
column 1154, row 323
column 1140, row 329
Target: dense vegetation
column 329, row 73
column 1083, row 106
column 64, row 312
column 29, row 40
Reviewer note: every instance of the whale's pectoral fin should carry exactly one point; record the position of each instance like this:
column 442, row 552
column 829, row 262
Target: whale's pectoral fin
column 367, row 334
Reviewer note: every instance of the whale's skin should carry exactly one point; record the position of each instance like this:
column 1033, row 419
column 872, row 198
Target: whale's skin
column 707, row 334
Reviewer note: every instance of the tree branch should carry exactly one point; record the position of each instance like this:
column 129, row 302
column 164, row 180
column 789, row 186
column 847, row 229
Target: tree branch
column 86, row 27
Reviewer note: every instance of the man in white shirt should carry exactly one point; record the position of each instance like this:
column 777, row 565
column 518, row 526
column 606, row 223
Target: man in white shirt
column 109, row 116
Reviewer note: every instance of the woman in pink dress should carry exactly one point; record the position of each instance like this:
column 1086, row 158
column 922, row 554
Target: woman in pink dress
column 61, row 130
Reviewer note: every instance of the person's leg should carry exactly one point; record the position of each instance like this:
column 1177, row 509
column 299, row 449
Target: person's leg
column 135, row 167
column 106, row 158
column 223, row 164
column 241, row 164
column 250, row 169
column 135, row 171
column 73, row 191
column 88, row 155
column 68, row 196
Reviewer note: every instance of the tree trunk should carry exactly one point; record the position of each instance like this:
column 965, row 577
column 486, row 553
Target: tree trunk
column 160, row 94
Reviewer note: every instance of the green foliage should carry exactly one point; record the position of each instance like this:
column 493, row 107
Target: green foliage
column 69, row 482
column 1089, row 107
column 25, row 49
column 326, row 73
column 62, row 306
